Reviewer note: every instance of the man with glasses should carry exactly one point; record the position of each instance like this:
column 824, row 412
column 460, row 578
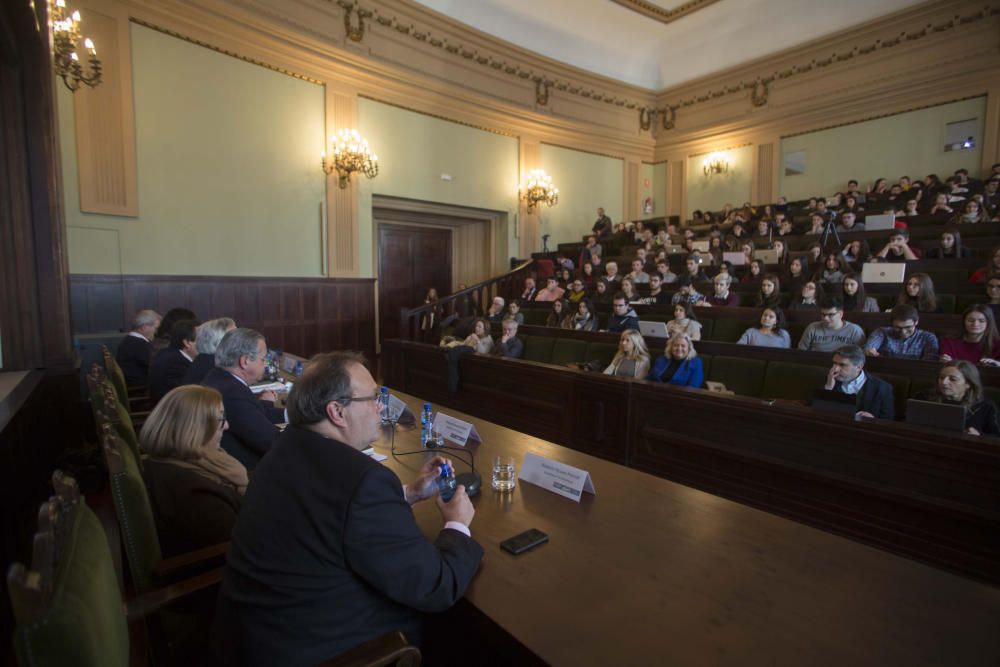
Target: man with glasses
column 326, row 553
column 240, row 361
column 622, row 317
column 903, row 340
column 832, row 331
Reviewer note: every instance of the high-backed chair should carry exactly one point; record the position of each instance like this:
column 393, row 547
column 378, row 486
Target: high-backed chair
column 107, row 409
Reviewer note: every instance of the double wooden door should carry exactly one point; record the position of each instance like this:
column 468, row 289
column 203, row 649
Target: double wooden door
column 410, row 261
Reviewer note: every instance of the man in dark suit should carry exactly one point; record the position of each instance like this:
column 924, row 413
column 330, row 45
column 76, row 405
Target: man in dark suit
column 170, row 365
column 209, row 335
column 509, row 345
column 847, row 375
column 239, row 362
column 135, row 350
column 326, row 553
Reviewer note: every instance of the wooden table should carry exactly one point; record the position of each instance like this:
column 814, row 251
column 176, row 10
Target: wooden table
column 653, row 572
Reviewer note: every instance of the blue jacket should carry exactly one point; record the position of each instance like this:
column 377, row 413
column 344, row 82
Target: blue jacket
column 689, row 374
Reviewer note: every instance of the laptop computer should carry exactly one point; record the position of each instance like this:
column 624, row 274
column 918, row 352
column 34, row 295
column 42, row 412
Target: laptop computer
column 883, row 272
column 875, row 223
column 734, row 258
column 766, row 256
column 835, row 401
column 653, row 329
column 942, row 416
column 700, row 246
column 674, row 249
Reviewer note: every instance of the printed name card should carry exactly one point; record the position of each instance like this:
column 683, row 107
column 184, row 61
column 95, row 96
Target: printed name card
column 455, row 430
column 398, row 412
column 556, row 477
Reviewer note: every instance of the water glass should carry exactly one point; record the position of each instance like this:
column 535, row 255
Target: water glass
column 504, row 474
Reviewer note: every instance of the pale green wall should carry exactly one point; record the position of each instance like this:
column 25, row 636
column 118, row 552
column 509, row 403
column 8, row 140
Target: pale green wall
column 228, row 170
column 585, row 181
column 711, row 193
column 656, row 174
column 414, row 150
column 910, row 144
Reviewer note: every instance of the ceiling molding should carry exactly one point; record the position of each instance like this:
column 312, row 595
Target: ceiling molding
column 657, row 13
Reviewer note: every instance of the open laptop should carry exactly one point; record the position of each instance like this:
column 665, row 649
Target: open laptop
column 766, row 256
column 835, row 401
column 700, row 246
column 653, row 329
column 674, row 249
column 891, row 273
column 734, row 258
column 942, row 416
column 876, row 223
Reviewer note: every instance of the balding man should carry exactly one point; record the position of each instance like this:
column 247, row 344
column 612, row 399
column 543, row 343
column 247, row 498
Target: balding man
column 136, row 349
column 239, row 362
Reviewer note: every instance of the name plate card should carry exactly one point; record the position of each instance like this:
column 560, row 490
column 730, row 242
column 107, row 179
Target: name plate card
column 556, row 477
column 398, row 412
column 455, row 430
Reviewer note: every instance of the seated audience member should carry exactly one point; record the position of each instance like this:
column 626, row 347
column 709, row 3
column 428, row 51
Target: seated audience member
column 509, row 345
column 495, row 313
column 622, row 315
column 602, row 229
column 514, row 312
column 813, row 253
column 551, row 291
column 972, row 213
column 949, row 246
column 530, row 291
column 193, row 485
column 135, row 352
column 590, row 249
column 480, row 339
column 170, row 365
column 576, row 291
column 832, row 331
column 206, row 343
column 560, row 310
column 909, row 209
column 772, row 331
column 853, row 294
column 817, row 223
column 622, row 236
column 833, row 269
column 898, row 248
column 940, row 206
column 754, row 272
column 769, row 294
column 989, row 271
column 601, row 295
column 666, row 275
column 587, row 275
column 686, row 293
column 679, row 365
column 991, row 197
column 611, row 277
column 763, row 232
column 808, row 297
column 632, row 359
column 980, row 342
column 993, row 297
column 785, row 228
column 585, row 319
column 796, row 275
column 327, row 554
column 162, row 339
column 903, row 340
column 657, row 295
column 959, row 383
column 684, row 322
column 638, row 275
column 723, row 296
column 716, row 250
column 564, row 262
column 628, row 289
column 564, row 277
column 239, row 362
column 848, row 376
column 856, row 253
column 784, row 257
column 848, row 223
column 693, row 270
column 747, row 248
column 919, row 293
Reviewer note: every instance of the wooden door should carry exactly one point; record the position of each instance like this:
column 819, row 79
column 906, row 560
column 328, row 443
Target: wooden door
column 410, row 260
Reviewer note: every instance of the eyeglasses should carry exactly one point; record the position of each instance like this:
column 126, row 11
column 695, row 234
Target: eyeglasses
column 345, row 400
column 222, row 419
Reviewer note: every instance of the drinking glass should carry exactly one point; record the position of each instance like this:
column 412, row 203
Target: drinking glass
column 504, row 474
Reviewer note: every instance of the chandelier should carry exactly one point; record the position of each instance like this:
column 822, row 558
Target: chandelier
column 716, row 163
column 539, row 190
column 350, row 154
column 65, row 40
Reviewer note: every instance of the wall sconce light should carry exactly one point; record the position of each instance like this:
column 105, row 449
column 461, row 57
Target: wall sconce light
column 715, row 163
column 350, row 154
column 539, row 190
column 65, row 40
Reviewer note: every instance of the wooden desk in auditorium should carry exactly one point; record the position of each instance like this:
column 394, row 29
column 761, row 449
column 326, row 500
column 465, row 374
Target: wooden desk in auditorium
column 653, row 572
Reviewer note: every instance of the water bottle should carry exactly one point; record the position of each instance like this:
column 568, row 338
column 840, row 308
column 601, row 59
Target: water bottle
column 383, row 405
column 426, row 420
column 446, row 482
column 298, row 368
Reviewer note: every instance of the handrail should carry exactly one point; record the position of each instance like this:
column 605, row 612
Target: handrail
column 466, row 302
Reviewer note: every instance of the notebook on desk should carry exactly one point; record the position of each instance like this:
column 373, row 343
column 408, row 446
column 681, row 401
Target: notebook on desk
column 942, row 416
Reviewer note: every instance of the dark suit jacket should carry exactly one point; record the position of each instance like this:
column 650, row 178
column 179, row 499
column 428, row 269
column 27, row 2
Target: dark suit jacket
column 512, row 349
column 197, row 371
column 251, row 421
column 167, row 372
column 875, row 397
column 133, row 356
column 326, row 554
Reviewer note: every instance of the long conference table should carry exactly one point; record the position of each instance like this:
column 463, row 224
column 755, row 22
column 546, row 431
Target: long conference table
column 648, row 571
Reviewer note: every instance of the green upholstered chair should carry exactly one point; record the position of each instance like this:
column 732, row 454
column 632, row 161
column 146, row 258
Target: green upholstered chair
column 706, row 364
column 535, row 316
column 538, row 348
column 963, row 301
column 743, row 376
column 795, row 331
column 568, row 351
column 946, row 303
column 792, row 381
column 728, row 330
column 601, row 352
column 108, row 410
column 885, row 301
column 900, row 390
column 707, row 328
column 115, row 375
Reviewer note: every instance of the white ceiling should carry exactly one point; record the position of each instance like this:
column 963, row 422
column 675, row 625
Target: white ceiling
column 606, row 38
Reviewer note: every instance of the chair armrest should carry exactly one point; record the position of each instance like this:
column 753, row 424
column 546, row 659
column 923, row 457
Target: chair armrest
column 193, row 561
column 389, row 649
column 142, row 606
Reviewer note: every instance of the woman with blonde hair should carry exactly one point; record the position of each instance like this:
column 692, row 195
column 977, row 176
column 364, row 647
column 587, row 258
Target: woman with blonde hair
column 193, row 485
column 632, row 359
column 679, row 365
